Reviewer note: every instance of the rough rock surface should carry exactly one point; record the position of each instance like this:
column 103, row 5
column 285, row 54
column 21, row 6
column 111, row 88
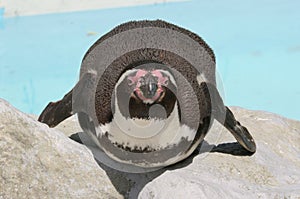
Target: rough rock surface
column 39, row 162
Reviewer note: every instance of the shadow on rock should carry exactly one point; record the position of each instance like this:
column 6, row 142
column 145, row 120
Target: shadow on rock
column 233, row 148
column 130, row 185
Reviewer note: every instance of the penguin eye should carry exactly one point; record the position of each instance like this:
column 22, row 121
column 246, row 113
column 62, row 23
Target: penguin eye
column 166, row 82
column 142, row 80
column 130, row 81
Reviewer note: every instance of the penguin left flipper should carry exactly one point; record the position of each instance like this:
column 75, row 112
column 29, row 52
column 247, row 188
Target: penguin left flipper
column 224, row 115
column 240, row 132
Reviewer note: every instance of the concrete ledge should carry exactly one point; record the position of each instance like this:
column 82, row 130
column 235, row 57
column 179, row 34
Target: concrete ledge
column 35, row 7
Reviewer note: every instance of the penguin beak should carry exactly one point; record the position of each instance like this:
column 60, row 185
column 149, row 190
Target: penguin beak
column 148, row 85
column 149, row 90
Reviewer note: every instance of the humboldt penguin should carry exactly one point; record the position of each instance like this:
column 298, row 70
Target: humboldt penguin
column 147, row 95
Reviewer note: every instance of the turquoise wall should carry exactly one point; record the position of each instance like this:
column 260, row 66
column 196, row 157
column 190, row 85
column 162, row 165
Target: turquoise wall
column 257, row 45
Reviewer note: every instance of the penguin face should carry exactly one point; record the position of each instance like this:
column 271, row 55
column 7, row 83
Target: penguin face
column 142, row 90
column 149, row 86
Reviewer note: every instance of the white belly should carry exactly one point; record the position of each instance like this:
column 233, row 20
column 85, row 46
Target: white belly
column 141, row 134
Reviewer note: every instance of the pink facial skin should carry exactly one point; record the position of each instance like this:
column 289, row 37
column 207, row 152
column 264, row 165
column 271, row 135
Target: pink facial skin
column 137, row 81
column 161, row 79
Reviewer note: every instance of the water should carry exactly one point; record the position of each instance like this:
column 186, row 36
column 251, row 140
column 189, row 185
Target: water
column 256, row 43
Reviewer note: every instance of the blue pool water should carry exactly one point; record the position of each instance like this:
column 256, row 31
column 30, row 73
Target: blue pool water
column 257, row 45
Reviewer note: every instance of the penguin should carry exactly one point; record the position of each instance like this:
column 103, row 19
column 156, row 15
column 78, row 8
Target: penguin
column 147, row 95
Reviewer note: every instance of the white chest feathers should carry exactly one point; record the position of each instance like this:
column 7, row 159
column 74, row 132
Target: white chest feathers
column 146, row 135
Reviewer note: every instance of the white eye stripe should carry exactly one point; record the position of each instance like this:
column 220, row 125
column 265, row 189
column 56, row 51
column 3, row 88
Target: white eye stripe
column 133, row 71
column 126, row 74
column 201, row 78
column 169, row 75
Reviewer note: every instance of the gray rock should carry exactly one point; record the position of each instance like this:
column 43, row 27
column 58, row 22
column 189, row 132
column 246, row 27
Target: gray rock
column 272, row 172
column 39, row 162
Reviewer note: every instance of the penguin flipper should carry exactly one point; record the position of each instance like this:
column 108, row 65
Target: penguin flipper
column 240, row 132
column 56, row 112
column 224, row 115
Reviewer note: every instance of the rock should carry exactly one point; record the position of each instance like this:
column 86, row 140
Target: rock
column 225, row 171
column 39, row 162
column 272, row 172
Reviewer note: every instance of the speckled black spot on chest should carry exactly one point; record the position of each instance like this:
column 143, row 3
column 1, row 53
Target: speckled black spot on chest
column 135, row 149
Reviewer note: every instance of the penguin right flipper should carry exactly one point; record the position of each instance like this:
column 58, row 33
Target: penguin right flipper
column 224, row 115
column 56, row 112
column 73, row 102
